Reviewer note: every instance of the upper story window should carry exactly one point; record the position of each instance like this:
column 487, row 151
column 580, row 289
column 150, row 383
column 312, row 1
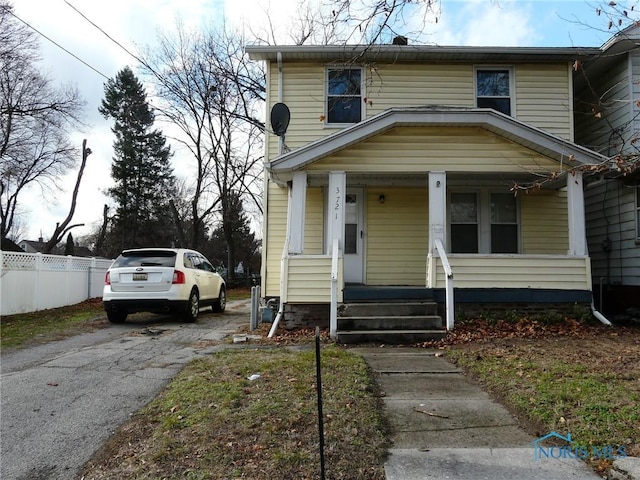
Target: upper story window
column 493, row 89
column 344, row 95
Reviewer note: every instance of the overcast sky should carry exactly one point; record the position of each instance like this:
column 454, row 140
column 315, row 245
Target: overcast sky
column 134, row 23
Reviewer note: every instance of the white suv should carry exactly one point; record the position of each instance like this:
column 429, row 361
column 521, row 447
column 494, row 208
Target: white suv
column 162, row 280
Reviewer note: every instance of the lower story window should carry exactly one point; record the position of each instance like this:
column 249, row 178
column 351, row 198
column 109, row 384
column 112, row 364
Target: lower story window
column 483, row 222
column 504, row 223
column 464, row 222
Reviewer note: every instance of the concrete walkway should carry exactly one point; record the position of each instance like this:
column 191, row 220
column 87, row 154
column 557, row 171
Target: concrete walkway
column 445, row 427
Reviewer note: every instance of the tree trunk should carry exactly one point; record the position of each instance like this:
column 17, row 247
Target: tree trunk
column 179, row 227
column 103, row 231
column 61, row 228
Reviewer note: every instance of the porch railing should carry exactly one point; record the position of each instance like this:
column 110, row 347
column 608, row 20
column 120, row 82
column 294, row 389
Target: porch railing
column 450, row 304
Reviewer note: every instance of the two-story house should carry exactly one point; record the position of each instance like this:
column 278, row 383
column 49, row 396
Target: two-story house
column 607, row 92
column 394, row 180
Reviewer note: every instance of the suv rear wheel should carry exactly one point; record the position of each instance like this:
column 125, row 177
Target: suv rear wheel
column 193, row 307
column 116, row 316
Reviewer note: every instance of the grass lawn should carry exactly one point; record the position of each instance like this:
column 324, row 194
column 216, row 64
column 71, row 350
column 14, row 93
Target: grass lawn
column 53, row 324
column 213, row 422
column 43, row 326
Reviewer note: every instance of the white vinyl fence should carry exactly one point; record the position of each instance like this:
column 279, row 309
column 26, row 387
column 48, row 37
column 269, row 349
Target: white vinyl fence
column 33, row 281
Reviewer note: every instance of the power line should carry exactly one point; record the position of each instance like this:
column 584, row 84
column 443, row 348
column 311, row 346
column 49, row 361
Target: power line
column 104, row 33
column 114, row 40
column 54, row 42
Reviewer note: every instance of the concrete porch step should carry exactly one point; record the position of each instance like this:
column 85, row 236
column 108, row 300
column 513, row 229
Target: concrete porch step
column 371, row 293
column 397, row 337
column 393, row 322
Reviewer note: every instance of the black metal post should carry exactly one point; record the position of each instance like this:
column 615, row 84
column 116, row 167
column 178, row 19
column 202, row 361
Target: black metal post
column 319, row 390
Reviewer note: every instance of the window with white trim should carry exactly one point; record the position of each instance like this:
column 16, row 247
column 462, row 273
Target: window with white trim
column 504, row 223
column 493, row 89
column 464, row 222
column 483, row 222
column 344, row 95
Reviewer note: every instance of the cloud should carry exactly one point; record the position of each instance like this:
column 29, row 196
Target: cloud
column 485, row 23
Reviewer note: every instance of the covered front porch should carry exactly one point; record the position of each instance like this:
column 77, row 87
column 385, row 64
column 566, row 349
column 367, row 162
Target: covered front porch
column 398, row 242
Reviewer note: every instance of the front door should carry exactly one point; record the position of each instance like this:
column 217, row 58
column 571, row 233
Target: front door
column 354, row 236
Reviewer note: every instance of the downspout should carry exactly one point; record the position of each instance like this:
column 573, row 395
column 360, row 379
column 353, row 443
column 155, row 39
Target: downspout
column 285, row 249
column 598, row 315
column 283, row 267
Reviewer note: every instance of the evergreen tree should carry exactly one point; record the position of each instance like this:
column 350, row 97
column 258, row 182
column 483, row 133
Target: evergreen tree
column 69, row 247
column 144, row 181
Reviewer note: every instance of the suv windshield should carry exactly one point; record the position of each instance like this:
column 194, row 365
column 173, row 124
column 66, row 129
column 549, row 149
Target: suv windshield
column 147, row 258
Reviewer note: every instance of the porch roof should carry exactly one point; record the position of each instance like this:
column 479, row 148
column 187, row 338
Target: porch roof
column 498, row 123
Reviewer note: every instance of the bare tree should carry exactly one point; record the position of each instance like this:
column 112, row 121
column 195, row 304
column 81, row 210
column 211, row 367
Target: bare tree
column 210, row 93
column 35, row 119
column 376, row 21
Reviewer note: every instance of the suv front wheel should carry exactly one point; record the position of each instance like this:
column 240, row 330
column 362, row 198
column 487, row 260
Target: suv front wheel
column 220, row 304
column 193, row 307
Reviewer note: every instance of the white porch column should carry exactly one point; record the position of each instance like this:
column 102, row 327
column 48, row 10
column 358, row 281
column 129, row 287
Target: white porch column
column 335, row 199
column 437, row 208
column 297, row 213
column 575, row 205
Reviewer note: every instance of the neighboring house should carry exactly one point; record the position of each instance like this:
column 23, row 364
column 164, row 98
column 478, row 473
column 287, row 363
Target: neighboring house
column 607, row 118
column 32, row 246
column 404, row 157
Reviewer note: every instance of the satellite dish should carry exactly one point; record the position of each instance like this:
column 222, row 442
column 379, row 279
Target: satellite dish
column 280, row 117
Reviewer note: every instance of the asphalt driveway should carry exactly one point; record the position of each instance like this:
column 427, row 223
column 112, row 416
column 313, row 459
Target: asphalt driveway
column 61, row 401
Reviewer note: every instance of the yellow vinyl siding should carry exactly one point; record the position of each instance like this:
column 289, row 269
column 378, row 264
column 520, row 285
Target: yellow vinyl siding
column 423, row 149
column 314, row 221
column 276, row 233
column 304, row 94
column 309, row 279
column 410, row 85
column 544, row 222
column 510, row 271
column 397, row 236
column 543, row 97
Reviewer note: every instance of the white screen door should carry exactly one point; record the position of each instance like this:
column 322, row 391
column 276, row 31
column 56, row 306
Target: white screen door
column 354, row 236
